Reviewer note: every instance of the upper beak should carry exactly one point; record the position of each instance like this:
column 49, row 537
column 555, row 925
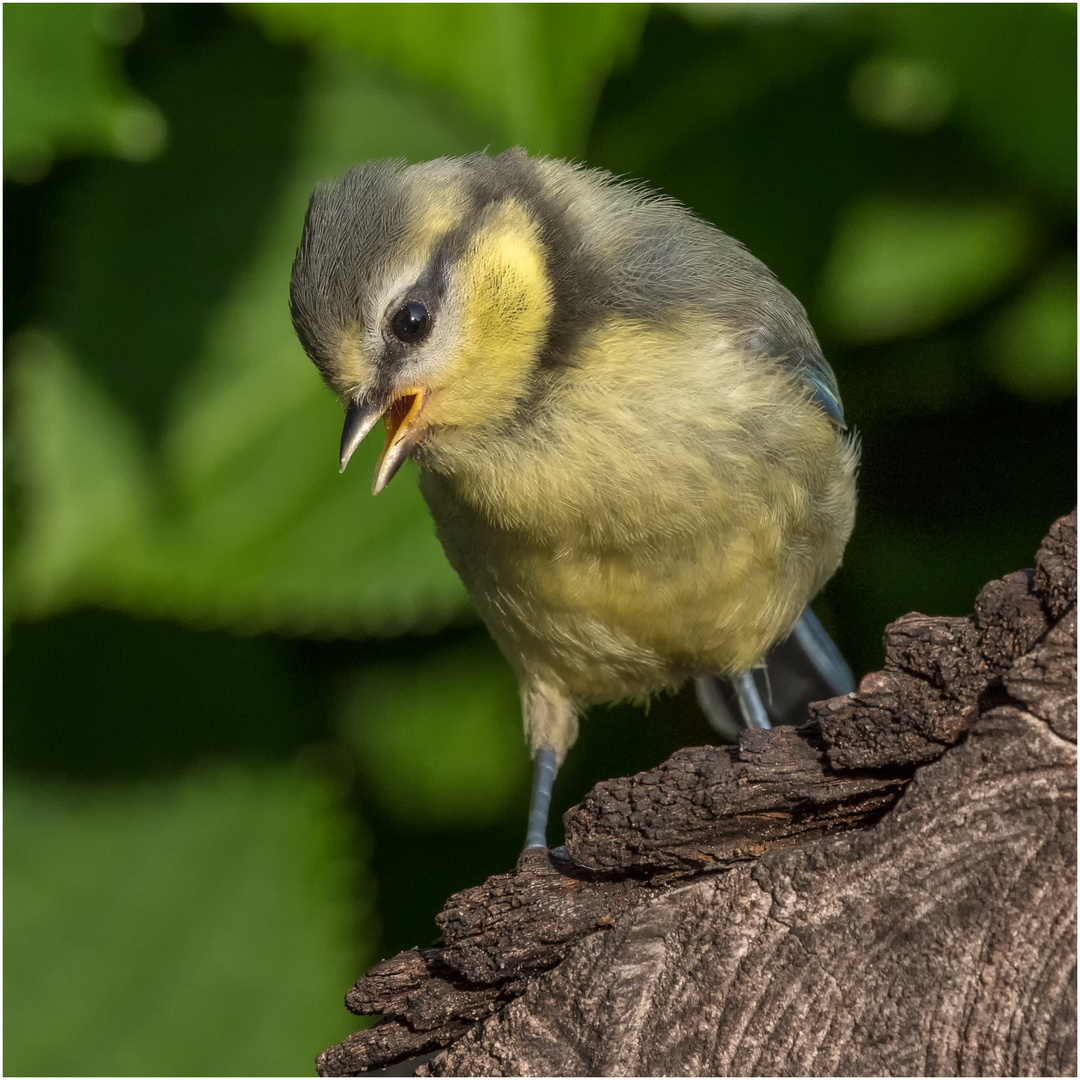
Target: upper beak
column 359, row 420
column 403, row 431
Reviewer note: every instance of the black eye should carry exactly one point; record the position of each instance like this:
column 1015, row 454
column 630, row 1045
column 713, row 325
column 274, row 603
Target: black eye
column 412, row 323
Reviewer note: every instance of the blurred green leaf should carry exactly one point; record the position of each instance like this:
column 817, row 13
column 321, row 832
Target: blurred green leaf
column 905, row 95
column 139, row 260
column 532, row 72
column 64, row 89
column 902, row 268
column 441, row 744
column 202, row 926
column 87, row 510
column 679, row 101
column 1014, row 69
column 756, row 15
column 243, row 518
column 1032, row 346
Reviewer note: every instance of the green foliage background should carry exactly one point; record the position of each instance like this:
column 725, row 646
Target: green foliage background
column 254, row 735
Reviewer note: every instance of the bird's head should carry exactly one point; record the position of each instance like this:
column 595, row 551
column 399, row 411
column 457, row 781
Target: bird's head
column 422, row 295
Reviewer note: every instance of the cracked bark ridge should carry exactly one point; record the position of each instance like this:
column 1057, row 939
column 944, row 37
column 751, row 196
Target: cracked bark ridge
column 890, row 889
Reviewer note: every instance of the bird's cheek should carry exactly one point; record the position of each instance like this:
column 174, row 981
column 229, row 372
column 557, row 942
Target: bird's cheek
column 352, row 367
column 467, row 402
column 505, row 299
column 491, row 372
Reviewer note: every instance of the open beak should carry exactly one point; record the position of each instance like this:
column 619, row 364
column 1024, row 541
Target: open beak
column 403, row 432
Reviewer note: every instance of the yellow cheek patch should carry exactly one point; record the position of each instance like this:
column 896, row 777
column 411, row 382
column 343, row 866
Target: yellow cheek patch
column 352, row 368
column 505, row 295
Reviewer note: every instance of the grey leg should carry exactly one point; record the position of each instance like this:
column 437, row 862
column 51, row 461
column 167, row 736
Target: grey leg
column 750, row 703
column 821, row 651
column 540, row 806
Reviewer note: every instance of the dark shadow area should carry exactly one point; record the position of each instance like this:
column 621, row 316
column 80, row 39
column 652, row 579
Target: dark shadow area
column 100, row 695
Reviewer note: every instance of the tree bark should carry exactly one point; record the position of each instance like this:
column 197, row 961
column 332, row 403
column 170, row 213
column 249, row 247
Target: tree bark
column 888, row 889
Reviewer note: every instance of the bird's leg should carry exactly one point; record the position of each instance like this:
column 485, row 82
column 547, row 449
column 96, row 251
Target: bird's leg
column 551, row 725
column 750, row 704
column 540, row 805
column 821, row 651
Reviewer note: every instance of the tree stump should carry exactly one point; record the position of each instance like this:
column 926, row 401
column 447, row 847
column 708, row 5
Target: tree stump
column 888, row 889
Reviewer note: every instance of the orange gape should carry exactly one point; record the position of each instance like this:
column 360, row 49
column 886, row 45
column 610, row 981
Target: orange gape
column 396, row 416
column 402, row 434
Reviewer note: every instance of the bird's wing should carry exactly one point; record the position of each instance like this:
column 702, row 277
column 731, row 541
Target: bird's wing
column 784, row 334
column 820, row 380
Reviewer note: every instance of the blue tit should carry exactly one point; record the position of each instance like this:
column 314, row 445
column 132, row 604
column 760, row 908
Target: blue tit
column 632, row 447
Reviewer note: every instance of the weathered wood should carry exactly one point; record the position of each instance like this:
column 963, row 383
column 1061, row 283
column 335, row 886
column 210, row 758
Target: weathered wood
column 890, row 889
column 712, row 806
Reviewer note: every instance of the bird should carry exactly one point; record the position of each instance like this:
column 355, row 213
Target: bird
column 629, row 439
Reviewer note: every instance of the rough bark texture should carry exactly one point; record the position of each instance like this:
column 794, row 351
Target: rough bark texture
column 890, row 889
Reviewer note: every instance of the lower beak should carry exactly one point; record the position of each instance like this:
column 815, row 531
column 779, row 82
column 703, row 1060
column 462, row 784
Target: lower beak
column 403, row 432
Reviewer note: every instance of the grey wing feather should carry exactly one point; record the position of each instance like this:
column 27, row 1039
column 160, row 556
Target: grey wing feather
column 781, row 335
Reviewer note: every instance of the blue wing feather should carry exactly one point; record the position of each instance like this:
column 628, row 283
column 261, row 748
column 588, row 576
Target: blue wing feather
column 824, row 392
